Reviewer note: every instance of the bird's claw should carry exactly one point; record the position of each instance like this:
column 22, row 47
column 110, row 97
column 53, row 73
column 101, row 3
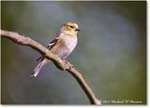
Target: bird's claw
column 68, row 64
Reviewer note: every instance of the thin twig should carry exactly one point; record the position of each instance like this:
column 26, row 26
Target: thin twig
column 26, row 41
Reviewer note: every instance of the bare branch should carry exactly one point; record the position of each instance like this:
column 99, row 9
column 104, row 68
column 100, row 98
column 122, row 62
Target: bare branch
column 27, row 41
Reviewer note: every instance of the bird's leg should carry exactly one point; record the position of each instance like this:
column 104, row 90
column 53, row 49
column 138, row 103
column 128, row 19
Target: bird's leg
column 68, row 63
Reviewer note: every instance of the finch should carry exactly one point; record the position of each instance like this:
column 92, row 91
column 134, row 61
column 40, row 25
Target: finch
column 62, row 45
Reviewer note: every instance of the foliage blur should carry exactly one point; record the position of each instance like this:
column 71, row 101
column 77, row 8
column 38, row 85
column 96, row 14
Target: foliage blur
column 111, row 52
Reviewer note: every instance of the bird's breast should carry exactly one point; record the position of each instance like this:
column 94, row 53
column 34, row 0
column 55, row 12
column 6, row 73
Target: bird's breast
column 70, row 42
column 65, row 46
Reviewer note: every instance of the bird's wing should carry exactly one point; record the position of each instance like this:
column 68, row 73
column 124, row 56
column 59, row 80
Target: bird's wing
column 50, row 45
column 53, row 42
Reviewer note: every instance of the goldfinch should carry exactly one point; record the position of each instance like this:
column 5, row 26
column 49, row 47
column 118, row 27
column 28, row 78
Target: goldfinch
column 62, row 45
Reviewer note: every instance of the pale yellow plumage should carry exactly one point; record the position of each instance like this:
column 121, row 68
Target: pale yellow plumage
column 62, row 45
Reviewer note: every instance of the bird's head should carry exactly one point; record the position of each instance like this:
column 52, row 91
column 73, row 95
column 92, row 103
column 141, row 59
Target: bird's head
column 70, row 28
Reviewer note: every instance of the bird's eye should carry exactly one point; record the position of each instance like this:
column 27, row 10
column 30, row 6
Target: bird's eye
column 71, row 27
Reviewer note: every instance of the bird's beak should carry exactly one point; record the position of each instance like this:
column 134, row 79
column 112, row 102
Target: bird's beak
column 77, row 29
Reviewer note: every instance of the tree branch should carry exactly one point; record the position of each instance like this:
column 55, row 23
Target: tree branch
column 27, row 41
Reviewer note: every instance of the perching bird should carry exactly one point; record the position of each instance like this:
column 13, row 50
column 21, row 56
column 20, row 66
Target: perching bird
column 62, row 45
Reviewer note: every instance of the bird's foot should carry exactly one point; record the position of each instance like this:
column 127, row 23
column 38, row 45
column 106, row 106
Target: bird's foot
column 68, row 64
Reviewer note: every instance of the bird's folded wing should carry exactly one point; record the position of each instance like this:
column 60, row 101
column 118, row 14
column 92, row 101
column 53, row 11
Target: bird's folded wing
column 50, row 45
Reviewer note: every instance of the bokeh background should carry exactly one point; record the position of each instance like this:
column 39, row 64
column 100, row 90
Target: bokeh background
column 111, row 52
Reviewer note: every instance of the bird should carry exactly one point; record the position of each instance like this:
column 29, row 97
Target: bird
column 63, row 43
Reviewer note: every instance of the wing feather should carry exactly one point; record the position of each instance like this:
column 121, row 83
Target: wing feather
column 50, row 45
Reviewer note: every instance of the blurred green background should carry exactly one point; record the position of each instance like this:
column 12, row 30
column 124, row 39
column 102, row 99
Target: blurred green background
column 111, row 52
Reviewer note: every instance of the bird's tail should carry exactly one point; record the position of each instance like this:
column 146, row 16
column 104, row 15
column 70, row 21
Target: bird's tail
column 38, row 68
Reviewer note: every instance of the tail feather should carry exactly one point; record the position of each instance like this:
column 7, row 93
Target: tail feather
column 38, row 68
